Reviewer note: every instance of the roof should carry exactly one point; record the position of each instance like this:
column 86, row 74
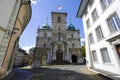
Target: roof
column 46, row 26
column 71, row 27
column 82, row 7
column 32, row 49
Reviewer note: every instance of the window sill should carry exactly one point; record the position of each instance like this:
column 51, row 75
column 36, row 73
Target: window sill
column 108, row 64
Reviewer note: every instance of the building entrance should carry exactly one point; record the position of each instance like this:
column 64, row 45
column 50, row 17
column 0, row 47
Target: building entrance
column 118, row 50
column 74, row 59
column 59, row 55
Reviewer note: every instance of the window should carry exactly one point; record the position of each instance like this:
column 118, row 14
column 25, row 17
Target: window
column 88, row 23
column 59, row 39
column 44, row 45
column 59, row 29
column 59, row 19
column 91, row 2
column 94, row 15
column 94, row 56
column 105, row 55
column 99, row 33
column 91, row 38
column 114, row 22
column 106, row 3
column 73, row 45
column 71, row 35
column 45, row 34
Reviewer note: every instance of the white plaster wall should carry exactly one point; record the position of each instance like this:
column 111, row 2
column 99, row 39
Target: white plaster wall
column 6, row 8
column 1, row 35
column 103, row 15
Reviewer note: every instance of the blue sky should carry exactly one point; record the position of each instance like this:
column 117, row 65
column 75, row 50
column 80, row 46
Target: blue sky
column 41, row 9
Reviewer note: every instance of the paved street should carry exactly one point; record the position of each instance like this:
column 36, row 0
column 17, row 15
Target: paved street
column 58, row 72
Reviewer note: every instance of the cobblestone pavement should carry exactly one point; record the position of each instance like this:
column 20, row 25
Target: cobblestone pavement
column 61, row 72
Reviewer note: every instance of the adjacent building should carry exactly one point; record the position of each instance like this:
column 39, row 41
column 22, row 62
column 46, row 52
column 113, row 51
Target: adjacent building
column 59, row 42
column 101, row 19
column 31, row 55
column 21, row 58
column 14, row 17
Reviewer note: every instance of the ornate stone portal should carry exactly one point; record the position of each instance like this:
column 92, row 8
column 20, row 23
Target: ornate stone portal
column 58, row 42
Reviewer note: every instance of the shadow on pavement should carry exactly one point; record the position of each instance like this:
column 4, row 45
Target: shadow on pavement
column 52, row 74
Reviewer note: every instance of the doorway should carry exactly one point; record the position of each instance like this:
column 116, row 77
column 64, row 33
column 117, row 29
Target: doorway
column 74, row 59
column 118, row 50
column 59, row 55
column 44, row 60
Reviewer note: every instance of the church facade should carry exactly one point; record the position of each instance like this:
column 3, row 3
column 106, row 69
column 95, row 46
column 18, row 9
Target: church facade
column 59, row 42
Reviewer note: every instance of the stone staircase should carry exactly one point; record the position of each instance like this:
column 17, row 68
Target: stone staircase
column 59, row 62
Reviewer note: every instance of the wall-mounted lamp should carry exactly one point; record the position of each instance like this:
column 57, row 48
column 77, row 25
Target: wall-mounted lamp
column 15, row 30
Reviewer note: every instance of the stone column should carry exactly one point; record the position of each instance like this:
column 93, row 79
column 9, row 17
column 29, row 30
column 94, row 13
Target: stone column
column 54, row 54
column 65, row 53
column 68, row 54
column 70, row 60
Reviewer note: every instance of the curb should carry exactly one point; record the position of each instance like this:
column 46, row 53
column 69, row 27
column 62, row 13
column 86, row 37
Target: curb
column 102, row 74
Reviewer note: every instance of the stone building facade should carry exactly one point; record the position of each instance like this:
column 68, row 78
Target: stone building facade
column 59, row 42
column 14, row 17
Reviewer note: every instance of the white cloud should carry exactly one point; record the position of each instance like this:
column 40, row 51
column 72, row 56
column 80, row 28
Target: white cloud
column 27, row 48
column 34, row 2
column 82, row 39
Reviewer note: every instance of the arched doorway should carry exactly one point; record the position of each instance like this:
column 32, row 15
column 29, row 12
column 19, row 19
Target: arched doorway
column 74, row 59
column 44, row 60
column 59, row 55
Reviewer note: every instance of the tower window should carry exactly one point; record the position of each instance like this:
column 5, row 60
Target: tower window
column 59, row 39
column 73, row 45
column 58, row 29
column 59, row 19
column 45, row 34
column 71, row 35
column 44, row 45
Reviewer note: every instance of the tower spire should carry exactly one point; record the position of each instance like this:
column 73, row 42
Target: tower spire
column 70, row 20
column 47, row 20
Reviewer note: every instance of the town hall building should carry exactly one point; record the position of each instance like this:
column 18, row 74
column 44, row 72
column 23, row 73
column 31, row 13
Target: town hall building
column 59, row 42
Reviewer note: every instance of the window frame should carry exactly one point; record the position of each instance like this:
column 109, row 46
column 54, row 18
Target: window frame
column 105, row 3
column 113, row 22
column 105, row 55
column 88, row 23
column 94, row 55
column 91, row 38
column 99, row 33
column 94, row 15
